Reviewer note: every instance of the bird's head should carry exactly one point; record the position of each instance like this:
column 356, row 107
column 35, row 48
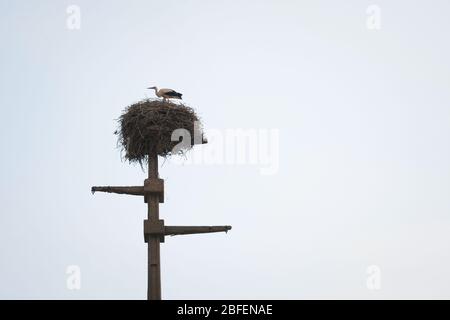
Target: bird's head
column 151, row 88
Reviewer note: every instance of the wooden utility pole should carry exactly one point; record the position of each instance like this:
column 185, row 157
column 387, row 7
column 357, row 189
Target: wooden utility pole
column 153, row 222
column 154, row 228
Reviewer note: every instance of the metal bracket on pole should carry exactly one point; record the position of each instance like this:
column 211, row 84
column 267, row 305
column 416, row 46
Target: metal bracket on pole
column 154, row 186
column 154, row 228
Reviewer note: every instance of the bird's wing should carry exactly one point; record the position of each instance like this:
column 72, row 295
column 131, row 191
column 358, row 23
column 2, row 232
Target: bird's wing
column 167, row 91
column 170, row 93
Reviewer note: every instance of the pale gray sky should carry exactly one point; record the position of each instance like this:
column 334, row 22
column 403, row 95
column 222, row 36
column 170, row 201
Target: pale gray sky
column 364, row 148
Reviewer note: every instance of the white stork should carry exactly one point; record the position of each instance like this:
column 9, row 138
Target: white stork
column 166, row 93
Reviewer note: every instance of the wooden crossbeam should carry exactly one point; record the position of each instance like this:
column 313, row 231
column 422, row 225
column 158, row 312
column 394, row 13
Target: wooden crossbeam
column 135, row 191
column 157, row 228
column 180, row 230
column 155, row 186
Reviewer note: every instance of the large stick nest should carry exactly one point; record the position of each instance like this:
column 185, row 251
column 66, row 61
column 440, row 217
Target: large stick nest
column 147, row 126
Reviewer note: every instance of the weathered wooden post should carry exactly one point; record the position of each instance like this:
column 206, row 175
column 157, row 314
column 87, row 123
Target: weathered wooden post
column 146, row 131
column 155, row 225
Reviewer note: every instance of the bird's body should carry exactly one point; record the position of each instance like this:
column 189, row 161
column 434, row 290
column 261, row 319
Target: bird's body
column 166, row 93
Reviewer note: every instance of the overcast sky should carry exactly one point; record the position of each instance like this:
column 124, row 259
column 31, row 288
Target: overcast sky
column 354, row 95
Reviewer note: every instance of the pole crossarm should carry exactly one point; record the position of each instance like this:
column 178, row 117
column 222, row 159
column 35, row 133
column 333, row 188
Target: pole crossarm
column 158, row 229
column 135, row 191
column 180, row 230
column 151, row 186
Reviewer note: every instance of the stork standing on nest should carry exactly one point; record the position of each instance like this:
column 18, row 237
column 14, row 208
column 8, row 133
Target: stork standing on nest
column 166, row 93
